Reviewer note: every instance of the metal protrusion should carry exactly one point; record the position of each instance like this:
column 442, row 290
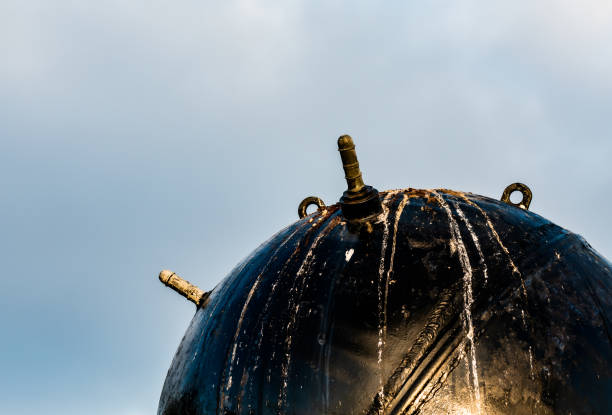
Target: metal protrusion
column 184, row 288
column 518, row 187
column 358, row 201
column 352, row 174
column 310, row 200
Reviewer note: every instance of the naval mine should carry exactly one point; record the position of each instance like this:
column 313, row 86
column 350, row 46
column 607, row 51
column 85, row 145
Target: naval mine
column 402, row 302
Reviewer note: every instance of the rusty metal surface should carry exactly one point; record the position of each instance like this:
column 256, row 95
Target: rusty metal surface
column 445, row 303
column 310, row 200
column 525, row 192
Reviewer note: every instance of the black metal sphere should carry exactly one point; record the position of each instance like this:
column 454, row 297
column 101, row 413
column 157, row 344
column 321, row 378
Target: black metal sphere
column 446, row 303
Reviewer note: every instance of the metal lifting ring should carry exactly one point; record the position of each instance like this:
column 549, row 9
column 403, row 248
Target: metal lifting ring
column 310, row 200
column 518, row 187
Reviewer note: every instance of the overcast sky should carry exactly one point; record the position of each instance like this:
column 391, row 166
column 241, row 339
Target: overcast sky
column 142, row 135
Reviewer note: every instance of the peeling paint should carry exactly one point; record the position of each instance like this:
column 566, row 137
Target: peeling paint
column 294, row 305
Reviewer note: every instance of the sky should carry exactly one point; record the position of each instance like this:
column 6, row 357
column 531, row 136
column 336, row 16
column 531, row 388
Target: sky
column 143, row 135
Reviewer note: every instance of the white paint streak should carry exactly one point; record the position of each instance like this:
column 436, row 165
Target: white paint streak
column 515, row 270
column 294, row 305
column 261, row 323
column 531, row 364
column 380, row 345
column 348, row 254
column 467, row 298
column 474, row 239
column 242, row 314
column 398, row 214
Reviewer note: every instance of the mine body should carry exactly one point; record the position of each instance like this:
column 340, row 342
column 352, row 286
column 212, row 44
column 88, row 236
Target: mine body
column 439, row 302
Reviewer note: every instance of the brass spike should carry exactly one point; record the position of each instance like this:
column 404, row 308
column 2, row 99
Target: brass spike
column 184, row 288
column 358, row 201
column 352, row 174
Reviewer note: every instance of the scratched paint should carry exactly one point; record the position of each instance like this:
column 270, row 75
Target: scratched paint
column 380, row 345
column 495, row 235
column 264, row 312
column 470, row 229
column 294, row 304
column 228, row 385
column 398, row 215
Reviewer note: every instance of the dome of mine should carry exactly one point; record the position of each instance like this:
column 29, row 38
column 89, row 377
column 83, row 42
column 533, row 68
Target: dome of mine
column 441, row 302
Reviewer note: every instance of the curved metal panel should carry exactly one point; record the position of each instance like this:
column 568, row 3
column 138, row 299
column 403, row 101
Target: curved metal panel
column 445, row 303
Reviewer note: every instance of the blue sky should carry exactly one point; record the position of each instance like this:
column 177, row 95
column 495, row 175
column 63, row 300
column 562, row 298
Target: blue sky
column 137, row 136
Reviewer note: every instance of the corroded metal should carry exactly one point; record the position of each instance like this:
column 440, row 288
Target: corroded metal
column 358, row 201
column 184, row 288
column 450, row 303
column 518, row 187
column 310, row 200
